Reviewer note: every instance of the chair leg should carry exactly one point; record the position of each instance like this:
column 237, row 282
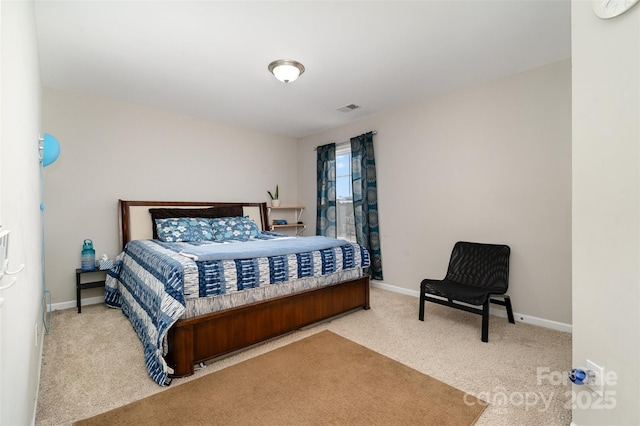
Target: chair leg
column 422, row 302
column 485, row 321
column 507, row 304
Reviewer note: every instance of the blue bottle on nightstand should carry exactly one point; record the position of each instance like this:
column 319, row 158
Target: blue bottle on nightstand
column 88, row 256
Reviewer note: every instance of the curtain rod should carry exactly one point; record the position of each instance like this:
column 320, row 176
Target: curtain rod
column 338, row 143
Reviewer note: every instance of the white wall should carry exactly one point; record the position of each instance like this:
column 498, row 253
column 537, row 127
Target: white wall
column 20, row 195
column 606, row 209
column 112, row 150
column 491, row 163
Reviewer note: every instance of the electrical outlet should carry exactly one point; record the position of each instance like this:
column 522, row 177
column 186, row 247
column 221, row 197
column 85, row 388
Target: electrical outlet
column 597, row 382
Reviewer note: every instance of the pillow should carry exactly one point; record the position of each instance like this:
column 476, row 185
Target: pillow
column 172, row 213
column 233, row 228
column 183, row 229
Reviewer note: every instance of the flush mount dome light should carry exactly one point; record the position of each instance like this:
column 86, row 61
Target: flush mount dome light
column 286, row 70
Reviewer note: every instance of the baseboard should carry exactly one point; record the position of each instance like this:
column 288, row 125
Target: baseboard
column 393, row 288
column 528, row 319
column 72, row 303
column 38, row 373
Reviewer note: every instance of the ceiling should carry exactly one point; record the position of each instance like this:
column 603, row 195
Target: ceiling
column 209, row 58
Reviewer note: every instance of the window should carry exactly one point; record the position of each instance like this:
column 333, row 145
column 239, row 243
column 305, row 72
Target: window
column 345, row 223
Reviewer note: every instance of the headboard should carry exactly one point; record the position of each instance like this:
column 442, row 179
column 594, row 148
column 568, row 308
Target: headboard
column 134, row 218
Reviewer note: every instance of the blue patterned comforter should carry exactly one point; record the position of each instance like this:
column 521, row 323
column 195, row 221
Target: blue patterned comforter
column 151, row 281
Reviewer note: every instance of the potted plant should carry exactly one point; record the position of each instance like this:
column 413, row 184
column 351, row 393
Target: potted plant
column 275, row 201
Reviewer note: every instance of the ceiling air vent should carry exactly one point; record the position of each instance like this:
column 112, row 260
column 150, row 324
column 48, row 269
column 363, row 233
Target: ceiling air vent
column 348, row 108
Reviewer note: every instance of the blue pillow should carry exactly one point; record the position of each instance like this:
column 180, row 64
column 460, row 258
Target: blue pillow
column 182, row 229
column 233, row 228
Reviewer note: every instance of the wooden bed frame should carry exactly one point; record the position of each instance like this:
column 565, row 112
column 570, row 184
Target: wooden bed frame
column 198, row 339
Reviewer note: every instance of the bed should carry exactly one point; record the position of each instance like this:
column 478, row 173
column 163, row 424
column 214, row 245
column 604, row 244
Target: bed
column 189, row 305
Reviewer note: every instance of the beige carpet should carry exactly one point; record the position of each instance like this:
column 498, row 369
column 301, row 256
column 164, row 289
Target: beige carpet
column 323, row 379
column 93, row 363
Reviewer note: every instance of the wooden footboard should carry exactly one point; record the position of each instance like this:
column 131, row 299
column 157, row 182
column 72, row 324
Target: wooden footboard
column 205, row 337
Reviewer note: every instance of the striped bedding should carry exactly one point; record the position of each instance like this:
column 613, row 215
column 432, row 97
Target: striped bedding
column 155, row 285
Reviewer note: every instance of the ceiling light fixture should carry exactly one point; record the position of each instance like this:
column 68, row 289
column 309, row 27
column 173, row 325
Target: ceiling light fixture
column 286, row 70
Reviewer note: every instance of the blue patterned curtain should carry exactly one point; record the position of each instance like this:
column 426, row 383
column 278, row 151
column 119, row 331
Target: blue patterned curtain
column 365, row 199
column 326, row 176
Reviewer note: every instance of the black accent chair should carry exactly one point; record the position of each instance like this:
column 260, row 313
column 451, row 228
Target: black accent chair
column 476, row 273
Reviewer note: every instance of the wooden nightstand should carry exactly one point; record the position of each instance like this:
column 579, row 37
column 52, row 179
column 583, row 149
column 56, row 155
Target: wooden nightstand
column 90, row 284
